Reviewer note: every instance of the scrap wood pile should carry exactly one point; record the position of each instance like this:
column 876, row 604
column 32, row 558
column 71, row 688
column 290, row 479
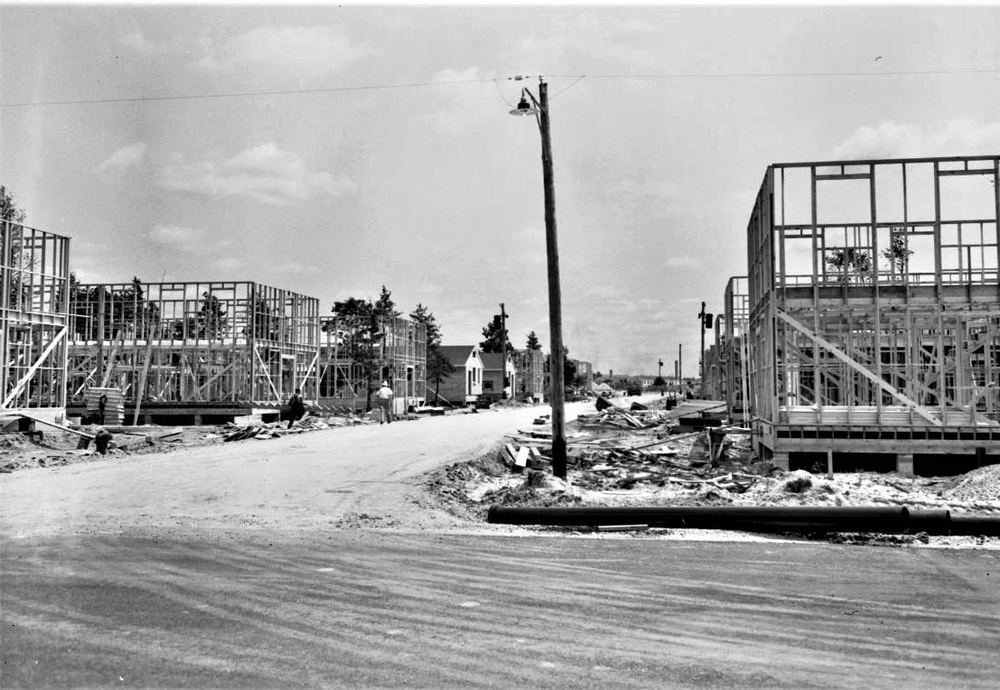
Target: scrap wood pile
column 263, row 431
column 617, row 449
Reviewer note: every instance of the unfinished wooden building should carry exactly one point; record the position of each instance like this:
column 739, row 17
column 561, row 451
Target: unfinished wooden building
column 734, row 349
column 353, row 364
column 201, row 352
column 874, row 314
column 35, row 280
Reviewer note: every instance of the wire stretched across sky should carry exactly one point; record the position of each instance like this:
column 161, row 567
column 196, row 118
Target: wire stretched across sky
column 578, row 77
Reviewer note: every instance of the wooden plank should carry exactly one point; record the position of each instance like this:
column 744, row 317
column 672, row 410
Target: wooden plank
column 37, row 420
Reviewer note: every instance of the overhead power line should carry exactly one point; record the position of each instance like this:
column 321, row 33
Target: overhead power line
column 578, row 77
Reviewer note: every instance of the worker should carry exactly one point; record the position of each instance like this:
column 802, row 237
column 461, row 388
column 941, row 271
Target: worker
column 296, row 406
column 385, row 400
column 102, row 404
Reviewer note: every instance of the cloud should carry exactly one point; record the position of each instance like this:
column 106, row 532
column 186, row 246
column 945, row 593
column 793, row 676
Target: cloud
column 264, row 173
column 125, row 156
column 891, row 139
column 304, row 51
column 229, row 263
column 178, row 237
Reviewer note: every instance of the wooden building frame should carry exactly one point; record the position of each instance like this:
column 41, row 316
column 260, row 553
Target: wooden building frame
column 400, row 351
column 34, row 283
column 193, row 345
column 874, row 323
column 734, row 346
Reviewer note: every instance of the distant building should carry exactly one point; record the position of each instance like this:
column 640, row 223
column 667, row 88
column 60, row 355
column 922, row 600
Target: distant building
column 465, row 384
column 497, row 377
column 530, row 385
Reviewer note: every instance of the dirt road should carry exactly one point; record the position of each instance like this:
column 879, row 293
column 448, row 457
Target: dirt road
column 305, row 481
column 309, row 561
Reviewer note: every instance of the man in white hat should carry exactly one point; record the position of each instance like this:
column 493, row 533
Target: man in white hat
column 385, row 397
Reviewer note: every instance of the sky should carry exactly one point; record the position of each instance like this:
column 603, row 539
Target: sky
column 333, row 149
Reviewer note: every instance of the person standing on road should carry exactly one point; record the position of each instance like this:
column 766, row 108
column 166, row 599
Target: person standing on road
column 297, row 407
column 385, row 399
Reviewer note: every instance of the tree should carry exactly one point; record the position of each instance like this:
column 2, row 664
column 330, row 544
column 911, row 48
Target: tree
column 12, row 234
column 8, row 207
column 533, row 343
column 494, row 337
column 659, row 381
column 850, row 262
column 212, row 319
column 357, row 328
column 570, row 377
column 438, row 366
column 897, row 253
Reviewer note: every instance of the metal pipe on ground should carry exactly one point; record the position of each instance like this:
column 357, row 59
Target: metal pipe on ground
column 885, row 520
column 972, row 525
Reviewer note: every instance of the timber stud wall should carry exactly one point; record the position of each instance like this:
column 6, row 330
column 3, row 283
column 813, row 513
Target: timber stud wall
column 400, row 353
column 875, row 304
column 35, row 275
column 194, row 343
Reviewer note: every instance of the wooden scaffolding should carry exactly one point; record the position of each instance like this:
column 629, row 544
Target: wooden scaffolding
column 874, row 322
column 193, row 344
column 34, row 281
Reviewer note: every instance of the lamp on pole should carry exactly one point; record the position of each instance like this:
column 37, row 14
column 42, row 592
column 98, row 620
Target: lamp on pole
column 540, row 109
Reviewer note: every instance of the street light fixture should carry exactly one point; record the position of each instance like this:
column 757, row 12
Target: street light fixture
column 540, row 109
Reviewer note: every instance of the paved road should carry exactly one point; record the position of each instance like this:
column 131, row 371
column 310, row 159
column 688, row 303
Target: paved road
column 222, row 568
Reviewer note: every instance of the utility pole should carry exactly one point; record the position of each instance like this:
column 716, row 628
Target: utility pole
column 680, row 368
column 557, row 394
column 503, row 353
column 555, row 291
column 704, row 319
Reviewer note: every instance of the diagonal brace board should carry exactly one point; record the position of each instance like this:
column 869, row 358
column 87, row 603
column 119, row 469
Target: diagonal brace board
column 836, row 352
column 16, row 391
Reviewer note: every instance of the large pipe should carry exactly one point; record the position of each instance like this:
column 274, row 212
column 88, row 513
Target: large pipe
column 886, row 520
column 975, row 525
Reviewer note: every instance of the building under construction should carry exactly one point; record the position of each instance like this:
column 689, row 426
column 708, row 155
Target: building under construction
column 733, row 347
column 35, row 281
column 353, row 362
column 874, row 314
column 199, row 351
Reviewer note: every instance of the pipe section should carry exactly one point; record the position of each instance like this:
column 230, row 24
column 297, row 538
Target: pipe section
column 886, row 520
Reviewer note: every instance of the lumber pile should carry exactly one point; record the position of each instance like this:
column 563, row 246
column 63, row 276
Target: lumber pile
column 521, row 458
column 261, row 432
column 114, row 409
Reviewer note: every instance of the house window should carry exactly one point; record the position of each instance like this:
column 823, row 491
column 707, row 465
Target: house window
column 487, row 385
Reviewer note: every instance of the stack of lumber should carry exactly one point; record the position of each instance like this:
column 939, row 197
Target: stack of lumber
column 521, row 457
column 114, row 410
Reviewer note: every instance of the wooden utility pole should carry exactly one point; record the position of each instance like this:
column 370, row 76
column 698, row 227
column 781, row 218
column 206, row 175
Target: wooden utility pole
column 503, row 352
column 701, row 354
column 557, row 395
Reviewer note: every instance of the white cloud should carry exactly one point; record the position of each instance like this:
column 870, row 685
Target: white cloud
column 177, row 237
column 229, row 263
column 304, row 51
column 890, row 139
column 125, row 156
column 265, row 173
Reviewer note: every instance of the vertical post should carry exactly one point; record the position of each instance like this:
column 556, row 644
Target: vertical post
column 555, row 293
column 99, row 377
column 680, row 368
column 503, row 352
column 701, row 353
